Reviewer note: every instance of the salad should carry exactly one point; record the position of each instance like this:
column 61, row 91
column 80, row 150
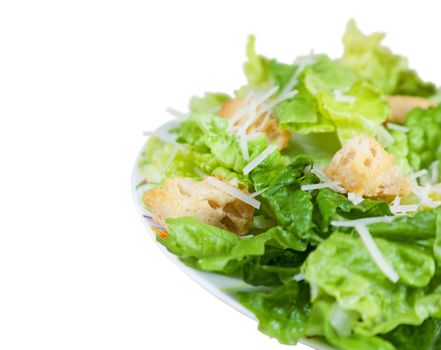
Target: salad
column 319, row 182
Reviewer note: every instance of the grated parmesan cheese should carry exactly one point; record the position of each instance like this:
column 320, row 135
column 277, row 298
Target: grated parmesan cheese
column 324, row 178
column 396, row 201
column 263, row 122
column 397, row 127
column 418, row 174
column 258, row 193
column 277, row 100
column 423, row 194
column 243, row 143
column 233, row 191
column 299, row 277
column 307, row 169
column 241, row 112
column 355, row 198
column 319, row 186
column 254, row 135
column 384, row 137
column 259, row 159
column 253, row 110
column 341, row 97
column 364, row 221
column 376, row 254
column 405, row 208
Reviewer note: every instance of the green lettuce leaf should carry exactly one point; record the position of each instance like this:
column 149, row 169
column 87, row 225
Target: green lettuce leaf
column 364, row 116
column 414, row 229
column 320, row 323
column 409, row 83
column 424, row 337
column 282, row 312
column 330, row 205
column 256, row 67
column 326, row 76
column 437, row 243
column 292, row 207
column 298, row 111
column 400, row 150
column 423, row 137
column 376, row 63
column 210, row 248
column 161, row 160
column 317, row 106
column 308, row 213
column 208, row 133
column 274, row 268
column 342, row 268
column 319, row 146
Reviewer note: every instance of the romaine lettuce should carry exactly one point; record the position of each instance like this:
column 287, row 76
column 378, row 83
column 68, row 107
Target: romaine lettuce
column 329, row 321
column 161, row 160
column 342, row 268
column 376, row 63
column 318, row 106
column 424, row 137
column 210, row 248
column 282, row 312
column 424, row 337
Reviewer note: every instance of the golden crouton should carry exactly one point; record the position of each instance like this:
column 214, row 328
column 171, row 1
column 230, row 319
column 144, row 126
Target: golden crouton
column 182, row 196
column 402, row 105
column 362, row 166
column 270, row 126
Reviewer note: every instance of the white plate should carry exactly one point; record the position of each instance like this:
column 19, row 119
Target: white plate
column 222, row 287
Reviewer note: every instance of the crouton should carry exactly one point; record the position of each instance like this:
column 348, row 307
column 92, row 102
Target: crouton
column 270, row 126
column 182, row 196
column 363, row 167
column 402, row 105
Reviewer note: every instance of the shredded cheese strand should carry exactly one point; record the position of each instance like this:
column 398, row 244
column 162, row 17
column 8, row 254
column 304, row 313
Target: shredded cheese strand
column 277, row 100
column 418, row 174
column 376, row 254
column 253, row 110
column 254, row 135
column 233, row 191
column 299, row 277
column 404, row 208
column 259, row 159
column 243, row 143
column 319, row 186
column 241, row 112
column 355, row 198
column 258, row 193
column 364, row 221
column 397, row 127
column 340, row 96
column 264, row 122
column 324, row 178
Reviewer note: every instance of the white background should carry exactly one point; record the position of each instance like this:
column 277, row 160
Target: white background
column 79, row 82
